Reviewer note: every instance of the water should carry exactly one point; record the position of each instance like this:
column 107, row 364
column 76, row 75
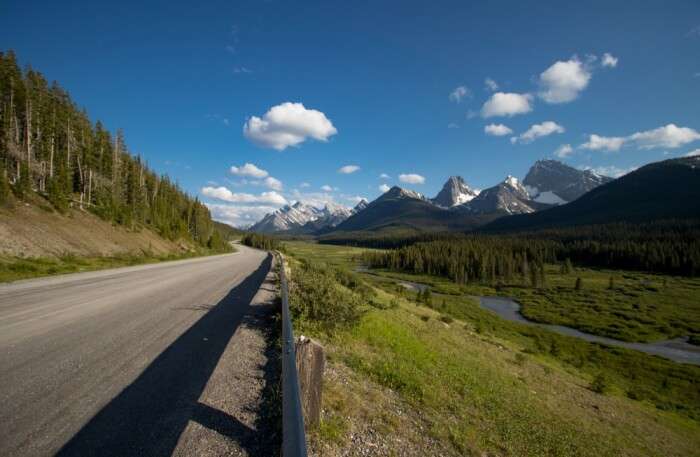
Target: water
column 677, row 349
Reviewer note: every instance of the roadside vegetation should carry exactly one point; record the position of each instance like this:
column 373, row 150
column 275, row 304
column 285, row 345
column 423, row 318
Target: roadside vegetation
column 260, row 241
column 434, row 374
column 15, row 268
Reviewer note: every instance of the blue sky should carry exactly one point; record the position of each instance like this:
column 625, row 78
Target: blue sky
column 370, row 85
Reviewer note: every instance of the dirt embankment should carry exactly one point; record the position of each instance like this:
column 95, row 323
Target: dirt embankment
column 27, row 230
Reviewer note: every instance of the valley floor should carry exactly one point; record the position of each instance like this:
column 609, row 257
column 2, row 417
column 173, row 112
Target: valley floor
column 445, row 377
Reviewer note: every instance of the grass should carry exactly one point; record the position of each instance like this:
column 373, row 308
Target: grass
column 16, row 268
column 480, row 385
column 639, row 307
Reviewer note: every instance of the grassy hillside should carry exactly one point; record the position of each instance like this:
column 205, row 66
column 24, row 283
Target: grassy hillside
column 228, row 232
column 444, row 377
column 36, row 240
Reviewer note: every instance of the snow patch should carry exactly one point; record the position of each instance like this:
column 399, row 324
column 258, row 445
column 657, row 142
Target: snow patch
column 550, row 198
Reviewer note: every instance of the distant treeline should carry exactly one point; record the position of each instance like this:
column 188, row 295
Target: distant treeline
column 664, row 247
column 483, row 259
column 390, row 239
column 260, row 241
column 50, row 148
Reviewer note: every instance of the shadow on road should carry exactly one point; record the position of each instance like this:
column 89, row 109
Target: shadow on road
column 148, row 417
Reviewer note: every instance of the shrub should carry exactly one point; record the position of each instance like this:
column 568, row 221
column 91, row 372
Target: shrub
column 600, row 384
column 317, row 297
column 446, row 319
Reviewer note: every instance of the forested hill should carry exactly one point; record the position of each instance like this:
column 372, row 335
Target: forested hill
column 50, row 148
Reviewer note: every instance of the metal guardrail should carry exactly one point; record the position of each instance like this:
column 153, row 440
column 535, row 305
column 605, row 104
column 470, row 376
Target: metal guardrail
column 293, row 435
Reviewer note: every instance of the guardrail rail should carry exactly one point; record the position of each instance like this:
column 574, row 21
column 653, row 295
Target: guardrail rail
column 293, row 434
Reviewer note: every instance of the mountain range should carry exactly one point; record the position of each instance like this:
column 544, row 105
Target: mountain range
column 662, row 190
column 457, row 206
column 301, row 218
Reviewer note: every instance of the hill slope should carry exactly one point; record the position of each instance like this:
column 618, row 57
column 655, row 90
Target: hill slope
column 661, row 190
column 30, row 231
column 400, row 208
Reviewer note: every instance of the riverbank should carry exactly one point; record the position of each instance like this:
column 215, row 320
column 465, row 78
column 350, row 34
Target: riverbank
column 460, row 380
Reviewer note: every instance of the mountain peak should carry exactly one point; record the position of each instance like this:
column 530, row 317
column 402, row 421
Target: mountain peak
column 299, row 215
column 512, row 181
column 400, row 192
column 554, row 182
column 362, row 204
column 454, row 192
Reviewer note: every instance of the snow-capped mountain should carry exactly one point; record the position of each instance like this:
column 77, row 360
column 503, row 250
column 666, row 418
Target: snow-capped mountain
column 362, row 204
column 287, row 218
column 397, row 192
column 548, row 183
column 304, row 218
column 552, row 182
column 454, row 192
column 509, row 197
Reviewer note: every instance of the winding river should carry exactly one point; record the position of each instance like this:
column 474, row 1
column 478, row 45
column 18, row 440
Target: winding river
column 677, row 349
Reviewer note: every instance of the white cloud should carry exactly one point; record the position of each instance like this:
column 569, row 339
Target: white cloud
column 224, row 194
column 238, row 216
column 288, row 124
column 347, row 169
column 317, row 199
column 411, row 178
column 326, row 188
column 668, row 136
column 497, row 130
column 491, row 84
column 383, row 188
column 563, row 81
column 459, row 93
column 507, row 104
column 603, row 143
column 249, row 169
column 537, row 131
column 452, row 125
column 304, row 184
column 384, row 176
column 273, row 183
column 694, row 153
column 564, row 151
column 609, row 60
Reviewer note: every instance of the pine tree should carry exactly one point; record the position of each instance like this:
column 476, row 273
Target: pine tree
column 4, row 187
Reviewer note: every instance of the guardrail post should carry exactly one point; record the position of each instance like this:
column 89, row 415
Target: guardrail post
column 310, row 361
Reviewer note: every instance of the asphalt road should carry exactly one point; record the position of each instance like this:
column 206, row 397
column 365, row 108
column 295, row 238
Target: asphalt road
column 114, row 362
